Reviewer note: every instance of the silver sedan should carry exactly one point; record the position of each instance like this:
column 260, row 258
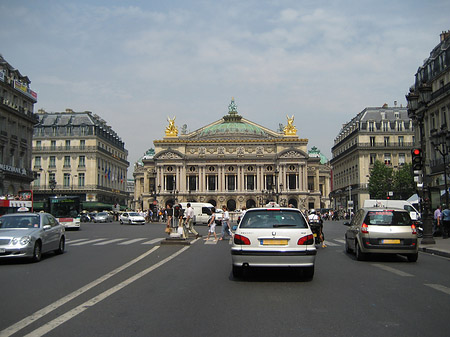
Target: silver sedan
column 30, row 235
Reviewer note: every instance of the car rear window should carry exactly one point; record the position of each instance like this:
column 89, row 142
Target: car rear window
column 273, row 219
column 387, row 217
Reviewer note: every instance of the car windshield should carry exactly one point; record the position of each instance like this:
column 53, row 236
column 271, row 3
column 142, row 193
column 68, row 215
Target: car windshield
column 273, row 219
column 102, row 214
column 23, row 221
column 133, row 214
column 387, row 218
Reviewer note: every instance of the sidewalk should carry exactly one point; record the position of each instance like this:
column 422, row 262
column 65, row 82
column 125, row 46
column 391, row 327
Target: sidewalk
column 441, row 247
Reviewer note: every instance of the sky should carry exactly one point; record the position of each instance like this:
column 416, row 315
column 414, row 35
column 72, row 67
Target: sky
column 136, row 63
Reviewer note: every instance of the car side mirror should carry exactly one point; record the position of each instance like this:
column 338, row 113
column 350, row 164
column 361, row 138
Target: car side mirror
column 45, row 227
column 234, row 227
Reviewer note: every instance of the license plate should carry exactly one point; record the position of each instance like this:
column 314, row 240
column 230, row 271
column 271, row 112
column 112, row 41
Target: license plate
column 274, row 242
column 389, row 241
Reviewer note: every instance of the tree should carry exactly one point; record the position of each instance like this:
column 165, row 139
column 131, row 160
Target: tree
column 384, row 179
column 403, row 182
column 380, row 180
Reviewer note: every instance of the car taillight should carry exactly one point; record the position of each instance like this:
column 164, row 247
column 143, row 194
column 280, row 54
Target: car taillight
column 413, row 227
column 365, row 228
column 241, row 240
column 306, row 240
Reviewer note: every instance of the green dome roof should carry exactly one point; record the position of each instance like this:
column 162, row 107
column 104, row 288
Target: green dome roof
column 227, row 129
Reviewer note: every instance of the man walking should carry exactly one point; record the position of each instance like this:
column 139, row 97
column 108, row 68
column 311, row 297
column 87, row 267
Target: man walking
column 190, row 220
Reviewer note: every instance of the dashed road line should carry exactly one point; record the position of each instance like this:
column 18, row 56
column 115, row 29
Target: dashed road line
column 392, row 270
column 439, row 287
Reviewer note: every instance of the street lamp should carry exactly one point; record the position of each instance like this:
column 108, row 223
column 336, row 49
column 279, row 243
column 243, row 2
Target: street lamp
column 52, row 184
column 440, row 142
column 417, row 106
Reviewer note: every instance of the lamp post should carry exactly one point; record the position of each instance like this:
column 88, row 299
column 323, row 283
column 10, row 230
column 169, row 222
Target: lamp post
column 440, row 142
column 52, row 184
column 416, row 112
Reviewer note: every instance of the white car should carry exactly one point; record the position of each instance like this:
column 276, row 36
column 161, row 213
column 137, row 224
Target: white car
column 273, row 237
column 131, row 218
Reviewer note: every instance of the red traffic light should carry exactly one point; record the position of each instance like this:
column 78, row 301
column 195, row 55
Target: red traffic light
column 416, row 152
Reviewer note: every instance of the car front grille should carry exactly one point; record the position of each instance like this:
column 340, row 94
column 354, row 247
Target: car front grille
column 4, row 242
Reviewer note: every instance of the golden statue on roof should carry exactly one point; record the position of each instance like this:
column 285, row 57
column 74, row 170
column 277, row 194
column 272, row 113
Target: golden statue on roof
column 290, row 129
column 171, row 129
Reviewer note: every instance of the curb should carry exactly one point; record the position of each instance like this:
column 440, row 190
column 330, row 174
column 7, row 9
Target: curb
column 434, row 251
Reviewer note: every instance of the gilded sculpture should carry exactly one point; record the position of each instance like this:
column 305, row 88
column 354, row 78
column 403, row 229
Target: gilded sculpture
column 290, row 129
column 171, row 129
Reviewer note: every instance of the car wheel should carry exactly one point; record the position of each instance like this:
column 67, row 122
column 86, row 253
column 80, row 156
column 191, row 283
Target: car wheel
column 37, row 252
column 238, row 271
column 360, row 256
column 308, row 272
column 61, row 247
column 412, row 257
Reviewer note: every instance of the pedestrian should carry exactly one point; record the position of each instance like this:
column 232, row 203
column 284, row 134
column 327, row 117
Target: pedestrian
column 169, row 212
column 243, row 211
column 212, row 225
column 225, row 223
column 190, row 220
column 181, row 227
column 445, row 222
column 437, row 222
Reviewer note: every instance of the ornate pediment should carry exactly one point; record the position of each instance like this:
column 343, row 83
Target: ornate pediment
column 169, row 155
column 292, row 154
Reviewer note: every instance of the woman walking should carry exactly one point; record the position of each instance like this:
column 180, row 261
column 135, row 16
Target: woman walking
column 225, row 223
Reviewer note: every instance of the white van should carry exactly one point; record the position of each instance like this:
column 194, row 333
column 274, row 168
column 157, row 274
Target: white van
column 202, row 211
column 402, row 204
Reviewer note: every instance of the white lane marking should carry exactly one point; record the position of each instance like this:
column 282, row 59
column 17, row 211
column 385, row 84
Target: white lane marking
column 55, row 305
column 108, row 242
column 331, row 244
column 439, row 287
column 211, row 242
column 152, row 242
column 86, row 242
column 340, row 240
column 392, row 270
column 129, row 242
column 46, row 328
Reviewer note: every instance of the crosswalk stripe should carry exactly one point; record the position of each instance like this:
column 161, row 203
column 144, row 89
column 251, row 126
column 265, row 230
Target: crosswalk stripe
column 108, row 242
column 340, row 241
column 331, row 244
column 152, row 242
column 129, row 242
column 211, row 242
column 86, row 242
column 77, row 240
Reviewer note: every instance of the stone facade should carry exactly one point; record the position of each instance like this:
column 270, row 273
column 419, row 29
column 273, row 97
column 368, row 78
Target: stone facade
column 16, row 130
column 233, row 162
column 77, row 153
column 379, row 133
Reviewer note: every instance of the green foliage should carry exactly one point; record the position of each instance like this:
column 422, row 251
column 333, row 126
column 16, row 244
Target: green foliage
column 384, row 179
column 380, row 180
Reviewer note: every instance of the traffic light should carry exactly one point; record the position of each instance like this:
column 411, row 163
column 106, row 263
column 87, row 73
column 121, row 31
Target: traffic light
column 417, row 160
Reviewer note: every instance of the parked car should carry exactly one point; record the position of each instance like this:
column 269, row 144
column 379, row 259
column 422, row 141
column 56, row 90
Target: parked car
column 103, row 217
column 273, row 237
column 30, row 235
column 131, row 218
column 381, row 231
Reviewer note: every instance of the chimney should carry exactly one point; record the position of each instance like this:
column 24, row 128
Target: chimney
column 445, row 35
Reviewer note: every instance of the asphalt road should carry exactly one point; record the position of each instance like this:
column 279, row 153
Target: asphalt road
column 118, row 280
